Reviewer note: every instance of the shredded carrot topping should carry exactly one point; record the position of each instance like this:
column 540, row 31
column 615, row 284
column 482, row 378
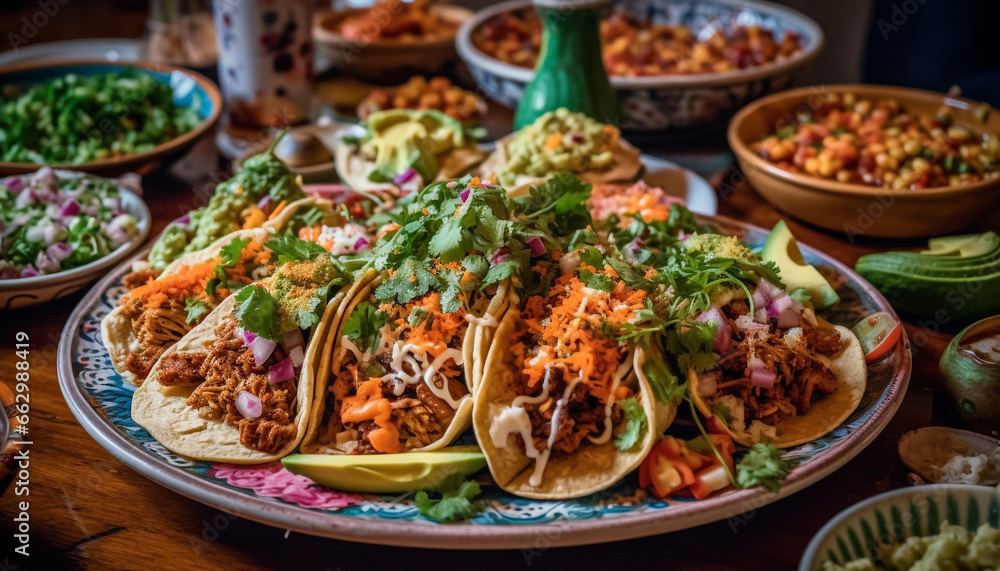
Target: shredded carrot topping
column 281, row 206
column 255, row 219
column 567, row 329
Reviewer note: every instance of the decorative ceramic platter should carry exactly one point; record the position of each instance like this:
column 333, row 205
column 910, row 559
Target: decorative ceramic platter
column 267, row 493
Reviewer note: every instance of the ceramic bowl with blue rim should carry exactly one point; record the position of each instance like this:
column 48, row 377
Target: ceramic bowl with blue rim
column 677, row 104
column 190, row 89
column 870, row 529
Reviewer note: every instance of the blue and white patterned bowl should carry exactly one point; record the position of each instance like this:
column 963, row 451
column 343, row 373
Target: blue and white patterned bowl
column 674, row 103
column 190, row 90
column 867, row 528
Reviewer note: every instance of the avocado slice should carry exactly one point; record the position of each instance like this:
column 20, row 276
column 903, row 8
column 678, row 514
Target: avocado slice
column 965, row 246
column 782, row 249
column 386, row 473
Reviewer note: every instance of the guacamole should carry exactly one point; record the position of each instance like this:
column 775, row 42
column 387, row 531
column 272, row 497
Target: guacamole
column 954, row 548
column 403, row 139
column 262, row 175
column 559, row 141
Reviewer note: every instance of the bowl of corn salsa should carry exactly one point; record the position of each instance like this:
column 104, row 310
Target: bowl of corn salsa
column 677, row 65
column 872, row 160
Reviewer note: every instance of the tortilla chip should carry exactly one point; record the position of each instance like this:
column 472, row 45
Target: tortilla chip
column 593, row 467
column 825, row 414
column 164, row 413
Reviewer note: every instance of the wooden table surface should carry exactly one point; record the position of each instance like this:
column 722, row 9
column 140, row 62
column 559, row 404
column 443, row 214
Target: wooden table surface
column 88, row 509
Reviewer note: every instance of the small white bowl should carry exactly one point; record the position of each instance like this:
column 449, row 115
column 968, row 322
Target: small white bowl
column 894, row 516
column 22, row 292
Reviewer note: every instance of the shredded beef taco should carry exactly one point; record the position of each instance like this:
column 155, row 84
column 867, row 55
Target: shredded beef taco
column 161, row 307
column 562, row 412
column 237, row 387
column 783, row 375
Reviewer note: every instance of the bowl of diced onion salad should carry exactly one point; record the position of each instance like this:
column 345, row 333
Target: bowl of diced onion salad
column 60, row 230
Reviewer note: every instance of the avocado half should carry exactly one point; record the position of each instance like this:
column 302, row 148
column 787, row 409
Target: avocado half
column 782, row 249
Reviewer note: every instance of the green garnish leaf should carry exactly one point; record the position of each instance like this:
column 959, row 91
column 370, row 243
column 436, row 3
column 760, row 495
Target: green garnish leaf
column 635, row 424
column 763, row 465
column 601, row 282
column 456, row 501
column 232, row 252
column 195, row 308
column 258, row 312
column 290, row 248
column 631, row 275
column 667, row 387
column 364, row 324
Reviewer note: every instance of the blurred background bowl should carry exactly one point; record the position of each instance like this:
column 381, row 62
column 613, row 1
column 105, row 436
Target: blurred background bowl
column 190, row 89
column 865, row 529
column 385, row 61
column 857, row 209
column 692, row 103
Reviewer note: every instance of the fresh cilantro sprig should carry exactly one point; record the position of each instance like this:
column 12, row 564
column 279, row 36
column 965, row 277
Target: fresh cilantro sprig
column 363, row 325
column 635, row 424
column 456, row 501
column 195, row 308
column 291, row 248
column 763, row 465
column 258, row 312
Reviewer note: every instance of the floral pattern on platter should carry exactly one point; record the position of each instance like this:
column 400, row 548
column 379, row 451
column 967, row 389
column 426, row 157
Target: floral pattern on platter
column 102, row 400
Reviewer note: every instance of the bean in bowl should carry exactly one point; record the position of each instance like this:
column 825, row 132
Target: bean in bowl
column 634, row 46
column 877, row 142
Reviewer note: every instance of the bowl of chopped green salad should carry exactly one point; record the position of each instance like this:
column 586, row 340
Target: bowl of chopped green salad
column 60, row 230
column 100, row 117
column 941, row 526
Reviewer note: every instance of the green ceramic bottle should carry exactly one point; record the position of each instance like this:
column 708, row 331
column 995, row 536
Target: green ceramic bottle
column 570, row 72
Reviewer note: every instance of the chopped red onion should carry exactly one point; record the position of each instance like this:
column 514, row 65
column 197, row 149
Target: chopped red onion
column 264, row 202
column 451, row 184
column 45, row 264
column 15, row 184
column 723, row 333
column 45, row 176
column 464, row 195
column 249, row 405
column 29, row 271
column 50, row 233
column 760, row 375
column 186, row 219
column 746, row 323
column 499, row 255
column 59, row 251
column 292, row 339
column 406, row 176
column 536, row 246
column 361, row 244
column 262, row 349
column 297, row 356
column 71, row 208
column 789, row 318
column 281, row 371
column 760, row 315
column 683, row 237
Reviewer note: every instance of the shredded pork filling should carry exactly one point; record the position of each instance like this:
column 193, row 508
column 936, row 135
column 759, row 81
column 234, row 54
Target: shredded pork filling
column 227, row 369
column 800, row 380
column 418, row 415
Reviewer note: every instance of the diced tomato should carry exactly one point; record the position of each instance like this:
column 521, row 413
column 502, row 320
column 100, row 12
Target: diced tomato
column 724, row 444
column 668, row 475
column 708, row 480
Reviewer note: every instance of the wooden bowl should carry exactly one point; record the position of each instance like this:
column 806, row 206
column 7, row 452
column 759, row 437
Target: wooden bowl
column 190, row 89
column 386, row 61
column 856, row 209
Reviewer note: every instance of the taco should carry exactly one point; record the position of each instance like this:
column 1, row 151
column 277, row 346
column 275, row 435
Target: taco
column 398, row 374
column 566, row 407
column 406, row 148
column 783, row 374
column 238, row 387
column 161, row 307
column 561, row 141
